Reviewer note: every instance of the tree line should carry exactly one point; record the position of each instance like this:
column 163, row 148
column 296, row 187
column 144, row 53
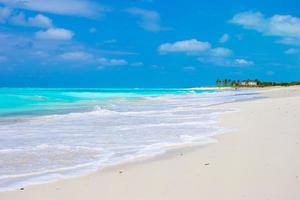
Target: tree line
column 257, row 83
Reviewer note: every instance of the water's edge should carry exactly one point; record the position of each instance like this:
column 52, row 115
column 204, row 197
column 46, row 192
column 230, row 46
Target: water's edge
column 164, row 150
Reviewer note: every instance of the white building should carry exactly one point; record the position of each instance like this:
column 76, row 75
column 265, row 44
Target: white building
column 249, row 83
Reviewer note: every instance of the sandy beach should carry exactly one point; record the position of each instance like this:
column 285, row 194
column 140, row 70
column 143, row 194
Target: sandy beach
column 258, row 159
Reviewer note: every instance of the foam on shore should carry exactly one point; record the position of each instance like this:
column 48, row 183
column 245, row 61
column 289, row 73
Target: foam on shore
column 46, row 148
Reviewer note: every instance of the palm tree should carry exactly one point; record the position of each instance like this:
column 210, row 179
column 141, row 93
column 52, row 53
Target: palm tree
column 218, row 82
column 225, row 81
column 229, row 81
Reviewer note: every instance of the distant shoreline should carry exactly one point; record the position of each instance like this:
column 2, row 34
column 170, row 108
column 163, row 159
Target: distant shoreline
column 241, row 87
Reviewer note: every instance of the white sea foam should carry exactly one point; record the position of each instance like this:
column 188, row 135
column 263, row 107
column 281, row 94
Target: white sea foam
column 48, row 148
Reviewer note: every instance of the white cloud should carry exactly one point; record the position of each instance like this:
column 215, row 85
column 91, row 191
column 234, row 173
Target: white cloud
column 88, row 57
column 111, row 62
column 291, row 51
column 218, row 61
column 54, row 52
column 250, row 20
column 83, row 8
column 149, row 20
column 243, row 62
column 285, row 26
column 8, row 15
column 224, row 61
column 115, row 62
column 186, row 46
column 40, row 21
column 221, row 52
column 290, row 41
column 204, row 52
column 194, row 47
column 55, row 34
column 76, row 56
column 224, row 38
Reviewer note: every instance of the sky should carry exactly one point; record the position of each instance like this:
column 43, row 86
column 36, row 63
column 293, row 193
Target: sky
column 147, row 43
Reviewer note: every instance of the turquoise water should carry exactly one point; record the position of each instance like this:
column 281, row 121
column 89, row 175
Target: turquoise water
column 15, row 101
column 52, row 134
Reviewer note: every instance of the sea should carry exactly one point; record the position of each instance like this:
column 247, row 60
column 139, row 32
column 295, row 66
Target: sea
column 48, row 134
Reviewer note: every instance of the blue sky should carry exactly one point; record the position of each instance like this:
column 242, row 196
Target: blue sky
column 147, row 43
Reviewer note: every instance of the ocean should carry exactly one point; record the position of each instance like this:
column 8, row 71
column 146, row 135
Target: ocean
column 56, row 133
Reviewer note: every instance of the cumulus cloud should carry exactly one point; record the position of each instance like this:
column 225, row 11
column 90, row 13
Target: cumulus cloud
column 89, row 57
column 250, row 20
column 285, row 26
column 53, row 52
column 111, row 62
column 224, row 38
column 243, row 62
column 8, row 15
column 221, row 52
column 204, row 52
column 76, row 56
column 149, row 19
column 83, row 8
column 194, row 47
column 40, row 21
column 226, row 62
column 54, row 34
column 79, row 57
column 186, row 46
column 290, row 41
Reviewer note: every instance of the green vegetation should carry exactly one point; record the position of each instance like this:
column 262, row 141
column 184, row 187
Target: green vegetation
column 252, row 83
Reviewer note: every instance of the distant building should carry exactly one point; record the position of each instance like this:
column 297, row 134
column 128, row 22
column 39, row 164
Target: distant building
column 249, row 83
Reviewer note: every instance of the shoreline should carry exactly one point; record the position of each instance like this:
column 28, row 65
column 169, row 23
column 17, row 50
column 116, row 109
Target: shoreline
column 158, row 149
column 180, row 162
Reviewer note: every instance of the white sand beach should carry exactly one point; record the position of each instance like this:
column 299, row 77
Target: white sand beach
column 258, row 159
